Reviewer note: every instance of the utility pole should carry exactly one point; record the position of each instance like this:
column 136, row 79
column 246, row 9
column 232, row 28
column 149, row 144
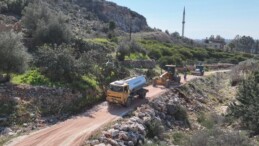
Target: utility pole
column 183, row 22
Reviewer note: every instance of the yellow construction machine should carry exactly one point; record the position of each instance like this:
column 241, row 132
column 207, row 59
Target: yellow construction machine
column 168, row 78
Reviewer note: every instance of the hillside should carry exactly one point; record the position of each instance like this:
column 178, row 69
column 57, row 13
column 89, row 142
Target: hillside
column 58, row 57
column 84, row 17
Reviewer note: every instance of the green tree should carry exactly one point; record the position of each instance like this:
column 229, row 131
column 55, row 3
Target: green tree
column 58, row 63
column 112, row 25
column 247, row 106
column 13, row 55
column 45, row 25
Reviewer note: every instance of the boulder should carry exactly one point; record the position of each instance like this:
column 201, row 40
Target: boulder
column 7, row 131
column 101, row 144
column 16, row 99
column 113, row 142
column 140, row 128
column 130, row 143
column 94, row 142
column 113, row 132
column 123, row 136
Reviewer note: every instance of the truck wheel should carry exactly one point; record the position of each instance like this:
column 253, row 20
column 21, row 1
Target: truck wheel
column 142, row 95
column 128, row 102
column 167, row 83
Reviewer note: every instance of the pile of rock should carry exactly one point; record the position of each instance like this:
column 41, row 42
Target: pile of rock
column 150, row 120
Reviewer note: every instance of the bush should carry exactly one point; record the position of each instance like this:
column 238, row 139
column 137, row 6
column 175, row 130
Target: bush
column 217, row 137
column 243, row 68
column 247, row 106
column 13, row 55
column 13, row 6
column 45, row 25
column 58, row 63
column 154, row 128
column 209, row 121
column 154, row 54
column 175, row 59
column 32, row 77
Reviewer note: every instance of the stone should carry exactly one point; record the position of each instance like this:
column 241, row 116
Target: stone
column 133, row 137
column 7, row 131
column 121, row 143
column 107, row 134
column 25, row 124
column 16, row 99
column 3, row 119
column 113, row 132
column 130, row 143
column 112, row 142
column 94, row 142
column 116, row 126
column 124, row 127
column 135, row 119
column 149, row 142
column 140, row 128
column 100, row 144
column 141, row 115
column 123, row 136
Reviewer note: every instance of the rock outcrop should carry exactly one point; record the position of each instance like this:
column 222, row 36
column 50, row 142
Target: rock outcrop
column 123, row 17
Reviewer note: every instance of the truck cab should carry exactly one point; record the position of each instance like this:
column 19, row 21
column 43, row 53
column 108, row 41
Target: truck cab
column 118, row 92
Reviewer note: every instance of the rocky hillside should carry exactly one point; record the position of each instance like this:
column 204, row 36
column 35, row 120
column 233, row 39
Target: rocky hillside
column 85, row 17
column 108, row 11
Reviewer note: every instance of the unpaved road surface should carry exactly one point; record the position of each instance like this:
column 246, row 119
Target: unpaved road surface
column 74, row 131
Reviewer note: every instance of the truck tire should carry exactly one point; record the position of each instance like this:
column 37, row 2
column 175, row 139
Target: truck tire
column 167, row 83
column 142, row 95
column 128, row 102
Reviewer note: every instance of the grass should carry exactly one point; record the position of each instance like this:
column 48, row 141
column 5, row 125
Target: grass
column 136, row 56
column 103, row 42
column 91, row 81
column 34, row 77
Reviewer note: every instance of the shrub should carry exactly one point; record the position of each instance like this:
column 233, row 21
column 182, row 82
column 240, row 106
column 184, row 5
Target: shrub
column 13, row 55
column 210, row 120
column 154, row 54
column 217, row 137
column 175, row 59
column 32, row 77
column 45, row 25
column 179, row 138
column 13, row 6
column 58, row 63
column 243, row 68
column 154, row 128
column 247, row 106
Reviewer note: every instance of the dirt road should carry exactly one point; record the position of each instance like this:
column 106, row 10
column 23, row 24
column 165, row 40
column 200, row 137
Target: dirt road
column 74, row 131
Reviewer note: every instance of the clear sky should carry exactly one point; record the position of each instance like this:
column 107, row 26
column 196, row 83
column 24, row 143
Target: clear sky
column 203, row 17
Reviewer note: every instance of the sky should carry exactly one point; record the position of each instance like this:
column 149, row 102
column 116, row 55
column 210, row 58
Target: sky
column 204, row 18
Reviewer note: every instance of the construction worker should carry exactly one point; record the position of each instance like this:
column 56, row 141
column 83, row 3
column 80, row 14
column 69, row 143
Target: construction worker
column 185, row 73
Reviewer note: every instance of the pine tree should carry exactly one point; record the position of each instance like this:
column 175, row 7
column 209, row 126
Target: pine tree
column 247, row 106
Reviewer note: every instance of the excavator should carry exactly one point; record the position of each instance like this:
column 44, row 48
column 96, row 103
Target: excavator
column 168, row 78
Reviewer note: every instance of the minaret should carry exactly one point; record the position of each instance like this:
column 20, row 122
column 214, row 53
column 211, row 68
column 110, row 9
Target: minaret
column 183, row 22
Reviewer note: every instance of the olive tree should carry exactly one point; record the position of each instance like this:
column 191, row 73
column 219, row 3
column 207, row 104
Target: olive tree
column 45, row 25
column 13, row 55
